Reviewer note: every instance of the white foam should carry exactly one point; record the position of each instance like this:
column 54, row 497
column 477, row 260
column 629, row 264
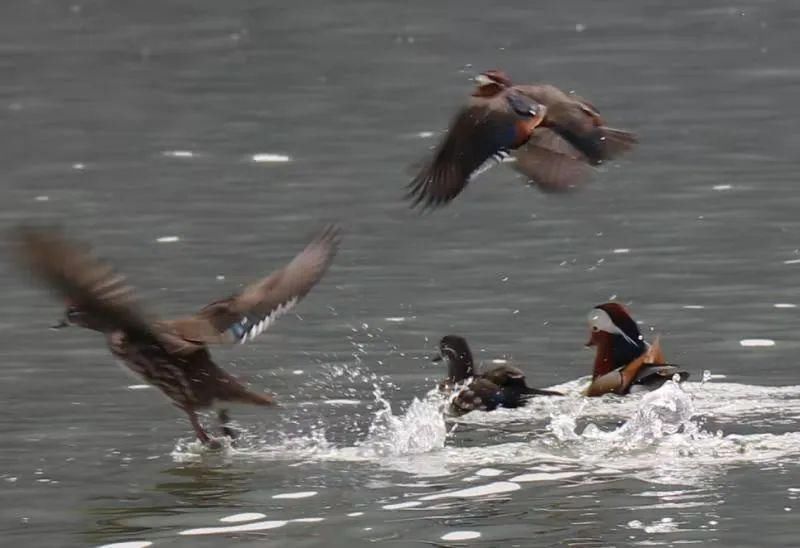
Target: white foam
column 495, row 488
column 355, row 514
column 784, row 305
column 499, row 361
column 298, row 495
column 139, row 386
column 178, row 153
column 78, row 166
column 42, row 198
column 621, row 250
column 488, row 472
column 401, row 505
column 792, row 261
column 168, row 239
column 425, row 134
column 298, row 372
column 307, row 520
column 757, row 342
column 247, row 516
column 266, row 157
column 256, row 526
column 129, row 544
column 461, row 535
column 722, row 187
column 545, row 476
column 341, row 402
column 395, row 319
column 693, row 306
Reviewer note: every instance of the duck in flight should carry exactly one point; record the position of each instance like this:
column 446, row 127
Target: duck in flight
column 624, row 362
column 555, row 139
column 173, row 355
column 501, row 386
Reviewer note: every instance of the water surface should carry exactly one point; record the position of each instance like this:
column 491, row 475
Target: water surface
column 199, row 144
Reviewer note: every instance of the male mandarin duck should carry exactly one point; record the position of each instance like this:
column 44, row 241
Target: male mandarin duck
column 555, row 138
column 624, row 362
column 501, row 386
column 173, row 355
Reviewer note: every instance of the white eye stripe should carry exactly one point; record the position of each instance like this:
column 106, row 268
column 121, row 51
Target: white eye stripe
column 600, row 320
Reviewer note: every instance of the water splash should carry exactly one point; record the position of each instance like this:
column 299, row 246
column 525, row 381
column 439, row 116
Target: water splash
column 420, row 429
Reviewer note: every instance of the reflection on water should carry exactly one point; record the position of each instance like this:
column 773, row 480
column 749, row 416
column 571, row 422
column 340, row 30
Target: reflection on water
column 190, row 486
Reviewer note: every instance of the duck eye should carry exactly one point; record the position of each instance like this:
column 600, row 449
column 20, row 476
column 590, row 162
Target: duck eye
column 595, row 328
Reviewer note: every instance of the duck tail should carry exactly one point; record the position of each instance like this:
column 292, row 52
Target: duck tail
column 230, row 389
column 539, row 392
column 602, row 143
column 615, row 142
column 253, row 398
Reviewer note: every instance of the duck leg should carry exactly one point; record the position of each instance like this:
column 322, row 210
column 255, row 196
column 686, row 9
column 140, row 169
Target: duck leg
column 201, row 434
column 224, row 420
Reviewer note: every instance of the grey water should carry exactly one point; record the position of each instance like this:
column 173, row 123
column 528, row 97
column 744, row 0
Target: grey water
column 199, row 144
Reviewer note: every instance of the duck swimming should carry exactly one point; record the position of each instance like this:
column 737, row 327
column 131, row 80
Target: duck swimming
column 501, row 386
column 173, row 355
column 624, row 362
column 556, row 138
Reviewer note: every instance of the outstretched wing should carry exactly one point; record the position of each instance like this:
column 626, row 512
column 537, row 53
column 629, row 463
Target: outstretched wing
column 244, row 316
column 90, row 285
column 479, row 136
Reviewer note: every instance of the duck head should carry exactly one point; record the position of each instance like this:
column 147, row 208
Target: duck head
column 455, row 351
column 490, row 83
column 75, row 316
column 616, row 336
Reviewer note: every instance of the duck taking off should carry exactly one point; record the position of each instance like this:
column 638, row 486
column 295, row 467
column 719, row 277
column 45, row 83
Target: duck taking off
column 173, row 355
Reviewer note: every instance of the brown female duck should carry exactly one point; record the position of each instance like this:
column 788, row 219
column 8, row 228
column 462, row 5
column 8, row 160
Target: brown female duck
column 501, row 386
column 173, row 355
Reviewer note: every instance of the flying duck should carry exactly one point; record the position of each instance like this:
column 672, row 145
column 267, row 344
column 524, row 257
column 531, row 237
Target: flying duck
column 555, row 139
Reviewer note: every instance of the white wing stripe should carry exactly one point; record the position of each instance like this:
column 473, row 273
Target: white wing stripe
column 267, row 320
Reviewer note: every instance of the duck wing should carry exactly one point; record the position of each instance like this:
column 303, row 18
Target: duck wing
column 580, row 123
column 480, row 135
column 244, row 316
column 91, row 285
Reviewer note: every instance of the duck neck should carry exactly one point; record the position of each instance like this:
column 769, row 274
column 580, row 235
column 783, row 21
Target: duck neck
column 460, row 369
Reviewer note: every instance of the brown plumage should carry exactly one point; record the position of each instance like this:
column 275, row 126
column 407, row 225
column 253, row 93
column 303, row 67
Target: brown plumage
column 173, row 355
column 500, row 386
column 555, row 139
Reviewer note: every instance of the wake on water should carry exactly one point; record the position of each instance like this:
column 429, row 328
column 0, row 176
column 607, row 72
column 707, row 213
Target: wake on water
column 658, row 437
